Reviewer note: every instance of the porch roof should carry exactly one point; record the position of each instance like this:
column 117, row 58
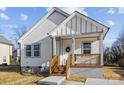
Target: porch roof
column 83, row 35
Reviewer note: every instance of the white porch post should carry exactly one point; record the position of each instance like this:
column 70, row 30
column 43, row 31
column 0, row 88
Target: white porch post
column 101, row 50
column 54, row 45
column 73, row 49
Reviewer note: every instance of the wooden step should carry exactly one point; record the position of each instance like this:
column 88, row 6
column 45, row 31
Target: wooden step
column 54, row 74
column 59, row 72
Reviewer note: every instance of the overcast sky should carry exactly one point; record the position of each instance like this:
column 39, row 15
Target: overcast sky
column 18, row 17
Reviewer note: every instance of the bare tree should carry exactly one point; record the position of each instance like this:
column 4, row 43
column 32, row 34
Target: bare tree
column 114, row 53
column 18, row 32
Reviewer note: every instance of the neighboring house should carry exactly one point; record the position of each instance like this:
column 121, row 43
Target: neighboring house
column 5, row 51
column 59, row 33
column 16, row 55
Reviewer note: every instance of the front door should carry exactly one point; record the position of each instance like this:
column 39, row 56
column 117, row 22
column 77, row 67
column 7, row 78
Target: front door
column 66, row 49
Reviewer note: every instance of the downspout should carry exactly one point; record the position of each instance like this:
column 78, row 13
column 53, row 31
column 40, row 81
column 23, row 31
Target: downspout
column 52, row 42
column 20, row 59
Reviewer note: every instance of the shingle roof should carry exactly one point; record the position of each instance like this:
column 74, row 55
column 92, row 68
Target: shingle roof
column 4, row 40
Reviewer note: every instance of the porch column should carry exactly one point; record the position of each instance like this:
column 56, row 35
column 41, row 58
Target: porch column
column 73, row 49
column 54, row 45
column 101, row 50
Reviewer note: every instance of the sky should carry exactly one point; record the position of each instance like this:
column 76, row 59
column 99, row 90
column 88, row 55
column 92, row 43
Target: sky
column 17, row 17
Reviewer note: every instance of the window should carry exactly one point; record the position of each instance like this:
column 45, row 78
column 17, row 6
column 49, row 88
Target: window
column 28, row 50
column 4, row 58
column 86, row 48
column 32, row 50
column 36, row 50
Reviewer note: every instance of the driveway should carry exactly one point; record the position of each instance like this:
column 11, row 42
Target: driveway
column 94, row 81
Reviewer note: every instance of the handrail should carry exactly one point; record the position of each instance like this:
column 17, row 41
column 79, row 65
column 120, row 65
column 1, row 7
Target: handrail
column 86, row 54
column 68, row 63
column 53, row 63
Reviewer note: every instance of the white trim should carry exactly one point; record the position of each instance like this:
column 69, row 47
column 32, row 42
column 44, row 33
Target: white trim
column 82, row 46
column 32, row 51
column 101, row 50
column 73, row 50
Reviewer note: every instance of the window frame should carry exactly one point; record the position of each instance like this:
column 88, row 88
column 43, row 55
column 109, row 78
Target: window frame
column 36, row 50
column 26, row 51
column 82, row 47
column 32, row 50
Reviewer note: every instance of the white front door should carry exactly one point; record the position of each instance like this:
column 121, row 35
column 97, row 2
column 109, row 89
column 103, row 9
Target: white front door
column 66, row 49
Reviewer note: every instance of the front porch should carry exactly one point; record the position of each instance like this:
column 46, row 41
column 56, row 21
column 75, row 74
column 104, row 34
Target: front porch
column 85, row 50
column 76, row 52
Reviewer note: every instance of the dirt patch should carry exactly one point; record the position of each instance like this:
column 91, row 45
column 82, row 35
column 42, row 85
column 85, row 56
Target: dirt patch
column 77, row 78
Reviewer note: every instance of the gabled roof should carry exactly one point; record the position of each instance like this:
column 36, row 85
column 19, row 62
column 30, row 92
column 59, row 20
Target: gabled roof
column 4, row 40
column 85, row 18
column 91, row 19
column 42, row 20
column 67, row 19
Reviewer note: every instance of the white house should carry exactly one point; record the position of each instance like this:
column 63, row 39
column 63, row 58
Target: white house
column 5, row 51
column 59, row 33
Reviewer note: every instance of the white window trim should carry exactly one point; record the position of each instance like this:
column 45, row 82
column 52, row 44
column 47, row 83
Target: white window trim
column 25, row 51
column 32, row 50
column 82, row 48
column 37, row 50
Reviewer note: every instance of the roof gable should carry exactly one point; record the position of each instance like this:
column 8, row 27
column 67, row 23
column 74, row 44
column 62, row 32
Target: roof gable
column 78, row 23
column 42, row 20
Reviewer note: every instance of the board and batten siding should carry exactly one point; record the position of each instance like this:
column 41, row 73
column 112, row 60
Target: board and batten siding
column 76, row 25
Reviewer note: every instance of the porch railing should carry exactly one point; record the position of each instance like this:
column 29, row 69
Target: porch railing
column 53, row 63
column 68, row 63
column 87, row 59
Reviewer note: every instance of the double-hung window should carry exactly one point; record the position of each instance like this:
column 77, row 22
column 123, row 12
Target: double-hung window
column 36, row 50
column 86, row 48
column 28, row 50
column 32, row 50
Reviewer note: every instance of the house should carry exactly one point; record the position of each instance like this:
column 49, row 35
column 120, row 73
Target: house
column 16, row 55
column 62, row 35
column 5, row 51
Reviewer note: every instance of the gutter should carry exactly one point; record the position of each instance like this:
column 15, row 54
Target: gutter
column 106, row 33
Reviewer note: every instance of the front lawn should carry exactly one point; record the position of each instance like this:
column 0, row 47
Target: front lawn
column 113, row 72
column 11, row 76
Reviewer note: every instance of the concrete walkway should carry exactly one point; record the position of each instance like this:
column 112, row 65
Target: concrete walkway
column 95, row 81
column 87, row 72
column 60, row 80
column 71, row 83
column 52, row 80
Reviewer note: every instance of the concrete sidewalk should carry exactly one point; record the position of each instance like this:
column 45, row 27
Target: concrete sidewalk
column 95, row 81
column 66, row 82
